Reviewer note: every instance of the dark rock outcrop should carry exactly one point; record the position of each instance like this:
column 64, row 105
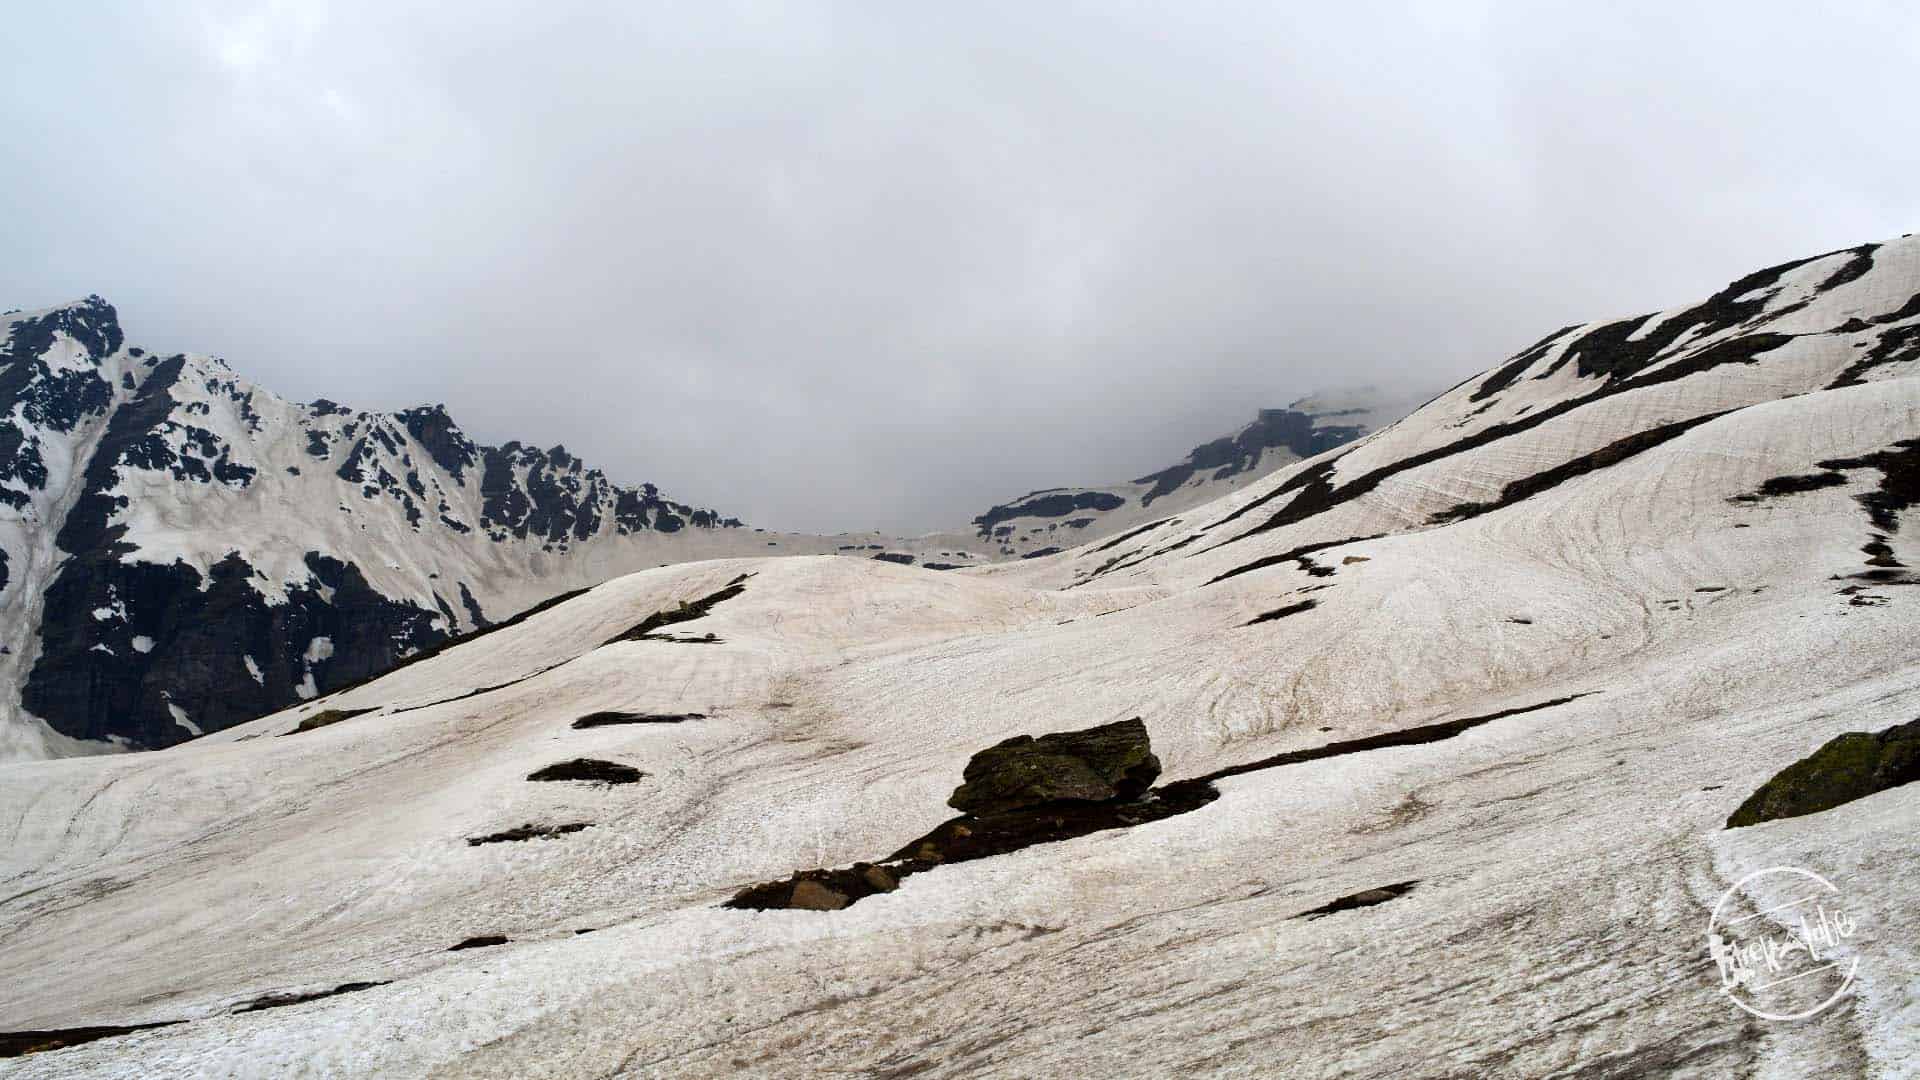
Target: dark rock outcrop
column 327, row 718
column 611, row 719
column 442, row 439
column 1047, row 504
column 688, row 611
column 979, row 836
column 1362, row 899
column 284, row 999
column 200, row 633
column 1282, row 612
column 1229, row 456
column 970, row 837
column 528, row 832
column 1850, row 766
column 21, row 1043
column 592, row 770
column 1101, row 764
column 1612, row 359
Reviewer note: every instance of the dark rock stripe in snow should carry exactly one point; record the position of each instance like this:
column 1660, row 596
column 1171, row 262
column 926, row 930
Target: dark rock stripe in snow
column 282, row 1000
column 688, row 611
column 1362, row 899
column 528, row 832
column 1611, row 454
column 1282, row 612
column 21, row 1043
column 610, row 719
column 979, row 836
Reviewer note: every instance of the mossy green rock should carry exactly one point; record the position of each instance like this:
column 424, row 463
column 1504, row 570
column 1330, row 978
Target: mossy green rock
column 1113, row 761
column 327, row 718
column 1851, row 766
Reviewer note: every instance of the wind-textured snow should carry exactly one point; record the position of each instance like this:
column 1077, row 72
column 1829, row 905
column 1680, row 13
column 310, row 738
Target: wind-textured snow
column 1576, row 521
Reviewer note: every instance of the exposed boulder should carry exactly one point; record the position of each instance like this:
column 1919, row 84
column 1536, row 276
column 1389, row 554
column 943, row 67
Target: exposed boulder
column 328, row 718
column 1121, row 749
column 811, row 895
column 592, row 770
column 1850, row 766
column 1100, row 764
column 819, row 890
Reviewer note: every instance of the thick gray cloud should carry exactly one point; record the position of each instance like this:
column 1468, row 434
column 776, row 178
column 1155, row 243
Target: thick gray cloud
column 873, row 265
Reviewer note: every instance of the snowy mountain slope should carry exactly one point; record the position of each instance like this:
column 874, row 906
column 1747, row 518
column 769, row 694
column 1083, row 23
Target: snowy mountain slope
column 182, row 550
column 1664, row 571
column 1043, row 522
column 1578, row 400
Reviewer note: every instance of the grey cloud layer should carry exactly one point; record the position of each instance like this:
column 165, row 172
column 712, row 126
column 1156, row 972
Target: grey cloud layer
column 875, row 265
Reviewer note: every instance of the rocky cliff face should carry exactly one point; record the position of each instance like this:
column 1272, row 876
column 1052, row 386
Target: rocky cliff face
column 182, row 550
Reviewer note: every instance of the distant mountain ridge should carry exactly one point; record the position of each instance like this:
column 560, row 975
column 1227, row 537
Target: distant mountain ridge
column 181, row 549
column 1501, row 681
column 1041, row 522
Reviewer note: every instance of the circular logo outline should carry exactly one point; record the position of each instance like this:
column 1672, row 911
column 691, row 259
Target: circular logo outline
column 1713, row 921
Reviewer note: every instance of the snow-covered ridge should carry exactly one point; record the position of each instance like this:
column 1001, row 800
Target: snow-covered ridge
column 1042, row 522
column 224, row 528
column 1583, row 398
column 1653, row 561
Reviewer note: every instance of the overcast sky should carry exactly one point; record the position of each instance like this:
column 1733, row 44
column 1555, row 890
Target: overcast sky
column 880, row 265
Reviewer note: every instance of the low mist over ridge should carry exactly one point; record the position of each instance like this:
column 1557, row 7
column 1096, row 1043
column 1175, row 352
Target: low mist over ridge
column 932, row 257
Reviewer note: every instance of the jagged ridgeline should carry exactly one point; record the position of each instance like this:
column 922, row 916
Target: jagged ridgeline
column 182, row 550
column 1044, row 522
